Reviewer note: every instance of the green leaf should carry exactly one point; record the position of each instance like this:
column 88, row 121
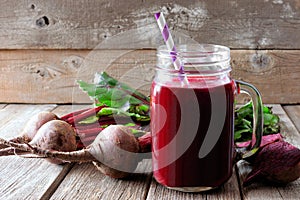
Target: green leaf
column 108, row 91
column 89, row 120
column 104, row 79
column 266, row 109
column 238, row 133
column 119, row 112
column 121, row 99
column 243, row 123
column 267, row 118
column 130, row 124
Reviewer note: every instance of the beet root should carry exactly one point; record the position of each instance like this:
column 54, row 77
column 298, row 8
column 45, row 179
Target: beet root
column 277, row 162
column 115, row 151
column 55, row 135
column 32, row 126
column 119, row 152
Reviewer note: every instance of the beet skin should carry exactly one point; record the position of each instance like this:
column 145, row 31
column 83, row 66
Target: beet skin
column 277, row 162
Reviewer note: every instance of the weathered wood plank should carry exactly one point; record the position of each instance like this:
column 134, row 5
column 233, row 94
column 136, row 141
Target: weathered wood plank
column 2, row 106
column 9, row 113
column 272, row 72
column 13, row 117
column 22, row 178
column 288, row 129
column 85, row 182
column 229, row 190
column 84, row 24
column 34, row 77
column 29, row 178
column 49, row 76
column 259, row 190
column 293, row 112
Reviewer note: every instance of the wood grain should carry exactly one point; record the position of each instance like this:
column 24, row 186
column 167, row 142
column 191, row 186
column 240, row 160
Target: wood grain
column 257, row 190
column 293, row 112
column 13, row 117
column 19, row 178
column 28, row 178
column 85, row 182
column 36, row 175
column 84, row 24
column 275, row 73
column 229, row 190
column 39, row 76
column 287, row 128
column 2, row 106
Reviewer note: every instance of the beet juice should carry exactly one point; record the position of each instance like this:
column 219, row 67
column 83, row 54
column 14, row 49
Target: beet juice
column 192, row 117
column 187, row 169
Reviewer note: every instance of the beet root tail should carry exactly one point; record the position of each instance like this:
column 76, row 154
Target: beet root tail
column 73, row 156
column 11, row 151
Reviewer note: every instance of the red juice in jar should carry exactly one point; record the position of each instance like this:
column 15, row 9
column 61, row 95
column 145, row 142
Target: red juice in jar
column 181, row 118
column 192, row 117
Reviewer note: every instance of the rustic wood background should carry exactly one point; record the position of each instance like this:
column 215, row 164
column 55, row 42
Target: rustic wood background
column 45, row 46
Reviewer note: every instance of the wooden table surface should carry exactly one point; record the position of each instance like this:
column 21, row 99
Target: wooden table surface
column 30, row 178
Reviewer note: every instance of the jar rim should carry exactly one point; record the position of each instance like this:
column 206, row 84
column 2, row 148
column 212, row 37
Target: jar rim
column 204, row 58
column 196, row 50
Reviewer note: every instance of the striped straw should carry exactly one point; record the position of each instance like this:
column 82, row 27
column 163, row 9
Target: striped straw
column 161, row 21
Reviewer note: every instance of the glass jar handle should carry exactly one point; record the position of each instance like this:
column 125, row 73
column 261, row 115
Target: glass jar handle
column 258, row 120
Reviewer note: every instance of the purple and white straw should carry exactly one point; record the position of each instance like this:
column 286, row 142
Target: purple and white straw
column 161, row 21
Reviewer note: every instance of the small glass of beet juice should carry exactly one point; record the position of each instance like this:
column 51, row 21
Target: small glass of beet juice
column 192, row 117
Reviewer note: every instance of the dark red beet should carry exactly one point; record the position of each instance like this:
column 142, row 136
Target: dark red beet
column 278, row 162
column 32, row 126
column 55, row 135
column 266, row 139
column 115, row 151
column 145, row 143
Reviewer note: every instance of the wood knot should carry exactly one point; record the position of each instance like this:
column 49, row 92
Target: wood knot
column 259, row 60
column 42, row 22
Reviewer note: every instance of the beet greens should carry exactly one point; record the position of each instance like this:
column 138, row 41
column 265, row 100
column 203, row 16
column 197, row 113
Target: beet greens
column 243, row 122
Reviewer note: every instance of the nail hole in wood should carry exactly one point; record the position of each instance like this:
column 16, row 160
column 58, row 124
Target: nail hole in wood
column 42, row 22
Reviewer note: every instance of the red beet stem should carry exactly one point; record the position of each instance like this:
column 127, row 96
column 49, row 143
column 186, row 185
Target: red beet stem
column 88, row 140
column 92, row 131
column 145, row 143
column 72, row 114
column 87, row 126
column 80, row 145
column 85, row 114
column 145, row 101
column 266, row 139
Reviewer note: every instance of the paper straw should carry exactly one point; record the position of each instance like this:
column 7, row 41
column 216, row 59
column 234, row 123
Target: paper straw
column 161, row 21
